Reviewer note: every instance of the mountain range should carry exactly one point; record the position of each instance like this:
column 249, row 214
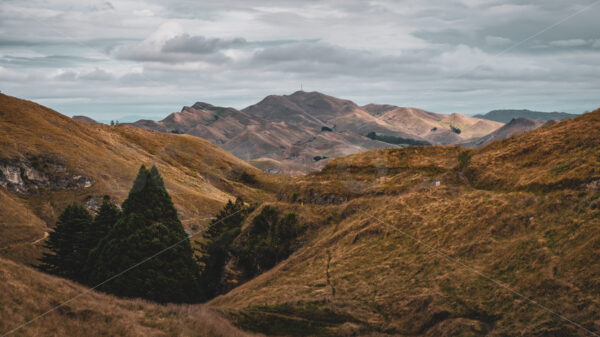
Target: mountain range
column 497, row 240
column 301, row 132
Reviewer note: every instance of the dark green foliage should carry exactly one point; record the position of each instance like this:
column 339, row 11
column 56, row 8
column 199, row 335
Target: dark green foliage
column 67, row 243
column 396, row 140
column 216, row 250
column 455, row 129
column 248, row 178
column 317, row 158
column 326, row 129
column 103, row 223
column 150, row 232
column 269, row 241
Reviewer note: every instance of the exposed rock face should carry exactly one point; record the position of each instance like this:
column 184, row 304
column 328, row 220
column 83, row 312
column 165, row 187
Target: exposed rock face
column 24, row 175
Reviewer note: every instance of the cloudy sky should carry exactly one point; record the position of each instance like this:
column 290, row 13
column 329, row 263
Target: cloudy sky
column 118, row 58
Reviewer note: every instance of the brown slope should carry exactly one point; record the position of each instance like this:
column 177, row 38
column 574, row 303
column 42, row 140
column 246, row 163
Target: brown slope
column 84, row 119
column 27, row 293
column 514, row 127
column 563, row 154
column 274, row 127
column 47, row 160
column 382, row 259
column 433, row 127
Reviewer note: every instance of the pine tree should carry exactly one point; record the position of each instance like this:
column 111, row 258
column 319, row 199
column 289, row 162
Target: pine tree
column 218, row 238
column 147, row 227
column 103, row 222
column 68, row 249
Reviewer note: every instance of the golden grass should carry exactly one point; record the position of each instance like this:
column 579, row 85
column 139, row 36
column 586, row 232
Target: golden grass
column 27, row 294
column 543, row 243
column 199, row 176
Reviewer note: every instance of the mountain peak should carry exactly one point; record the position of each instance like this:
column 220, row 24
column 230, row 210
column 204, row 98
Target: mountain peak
column 202, row 106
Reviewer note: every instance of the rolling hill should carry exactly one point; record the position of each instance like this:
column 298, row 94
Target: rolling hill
column 500, row 240
column 27, row 294
column 295, row 132
column 442, row 241
column 505, row 116
column 48, row 160
column 514, row 127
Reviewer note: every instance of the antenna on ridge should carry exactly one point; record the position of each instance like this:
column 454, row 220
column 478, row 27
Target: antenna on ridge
column 301, row 89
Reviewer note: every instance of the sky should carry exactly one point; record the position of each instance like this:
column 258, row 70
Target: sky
column 147, row 58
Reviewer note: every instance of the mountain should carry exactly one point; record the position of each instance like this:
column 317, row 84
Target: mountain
column 440, row 241
column 84, row 119
column 498, row 240
column 514, row 127
column 48, row 160
column 301, row 132
column 505, row 116
column 27, row 293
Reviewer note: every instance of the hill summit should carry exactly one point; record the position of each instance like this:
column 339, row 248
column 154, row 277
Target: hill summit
column 301, row 132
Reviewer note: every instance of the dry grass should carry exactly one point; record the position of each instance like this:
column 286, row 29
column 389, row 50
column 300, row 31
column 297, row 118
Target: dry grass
column 27, row 294
column 542, row 243
column 199, row 176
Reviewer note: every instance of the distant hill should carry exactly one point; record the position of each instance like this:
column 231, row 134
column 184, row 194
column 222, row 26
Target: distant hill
column 505, row 116
column 293, row 130
column 85, row 119
column 514, row 127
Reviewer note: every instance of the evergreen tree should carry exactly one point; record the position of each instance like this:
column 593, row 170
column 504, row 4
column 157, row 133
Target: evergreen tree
column 103, row 222
column 68, row 249
column 148, row 231
column 218, row 238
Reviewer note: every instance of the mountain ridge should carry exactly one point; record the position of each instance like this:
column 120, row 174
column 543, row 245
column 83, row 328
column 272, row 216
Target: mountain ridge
column 291, row 130
column 505, row 115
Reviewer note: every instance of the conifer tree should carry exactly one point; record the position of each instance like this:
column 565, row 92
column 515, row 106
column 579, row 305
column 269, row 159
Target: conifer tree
column 103, row 222
column 148, row 231
column 68, row 249
column 218, row 238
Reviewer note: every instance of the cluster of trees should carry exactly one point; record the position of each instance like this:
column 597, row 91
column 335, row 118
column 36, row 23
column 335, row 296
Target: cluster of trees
column 269, row 239
column 141, row 251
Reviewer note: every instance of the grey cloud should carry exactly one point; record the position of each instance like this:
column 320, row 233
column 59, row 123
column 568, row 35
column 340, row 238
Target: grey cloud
column 200, row 44
column 569, row 43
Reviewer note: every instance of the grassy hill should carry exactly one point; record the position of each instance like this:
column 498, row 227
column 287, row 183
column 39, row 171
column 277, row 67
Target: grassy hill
column 27, row 293
column 49, row 160
column 391, row 253
column 422, row 241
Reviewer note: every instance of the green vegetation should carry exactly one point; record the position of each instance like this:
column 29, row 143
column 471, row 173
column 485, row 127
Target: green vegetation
column 215, row 251
column 270, row 241
column 149, row 227
column 68, row 244
column 93, row 250
column 396, row 140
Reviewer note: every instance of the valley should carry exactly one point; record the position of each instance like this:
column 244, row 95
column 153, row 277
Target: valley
column 440, row 240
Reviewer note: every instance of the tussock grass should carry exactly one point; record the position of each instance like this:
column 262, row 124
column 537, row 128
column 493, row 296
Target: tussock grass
column 27, row 293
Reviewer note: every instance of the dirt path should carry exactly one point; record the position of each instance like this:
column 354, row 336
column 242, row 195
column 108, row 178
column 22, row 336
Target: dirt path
column 41, row 239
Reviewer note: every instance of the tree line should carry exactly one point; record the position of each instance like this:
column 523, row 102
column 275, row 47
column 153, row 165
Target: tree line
column 141, row 249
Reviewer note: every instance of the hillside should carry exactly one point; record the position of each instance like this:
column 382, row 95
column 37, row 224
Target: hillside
column 48, row 160
column 442, row 241
column 505, row 116
column 514, row 127
column 27, row 293
column 297, row 131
